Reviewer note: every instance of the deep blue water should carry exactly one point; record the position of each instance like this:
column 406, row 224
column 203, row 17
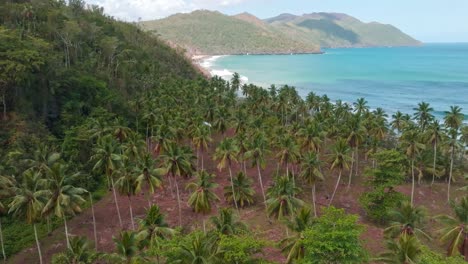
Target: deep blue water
column 394, row 78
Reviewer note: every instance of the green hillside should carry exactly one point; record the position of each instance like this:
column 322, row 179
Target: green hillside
column 339, row 30
column 213, row 33
column 206, row 32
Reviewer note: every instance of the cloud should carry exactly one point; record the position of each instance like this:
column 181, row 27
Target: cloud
column 132, row 10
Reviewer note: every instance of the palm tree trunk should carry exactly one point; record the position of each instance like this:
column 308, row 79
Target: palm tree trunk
column 131, row 212
column 170, row 186
column 202, row 160
column 94, row 222
column 313, row 200
column 336, row 187
column 357, row 161
column 261, row 184
column 66, row 231
column 233, row 190
column 450, row 173
column 351, row 170
column 434, row 164
column 116, row 202
column 178, row 201
column 412, row 181
column 1, row 242
column 37, row 244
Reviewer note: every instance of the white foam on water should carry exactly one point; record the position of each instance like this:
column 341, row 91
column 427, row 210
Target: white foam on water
column 226, row 74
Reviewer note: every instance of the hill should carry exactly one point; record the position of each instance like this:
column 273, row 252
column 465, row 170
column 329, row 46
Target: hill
column 339, row 30
column 213, row 33
column 207, row 32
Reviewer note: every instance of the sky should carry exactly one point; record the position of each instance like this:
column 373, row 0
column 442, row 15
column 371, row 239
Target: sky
column 426, row 20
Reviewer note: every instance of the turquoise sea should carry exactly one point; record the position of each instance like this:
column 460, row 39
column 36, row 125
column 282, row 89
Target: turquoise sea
column 394, row 78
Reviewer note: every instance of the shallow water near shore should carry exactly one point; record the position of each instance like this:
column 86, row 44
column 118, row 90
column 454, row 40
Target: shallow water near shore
column 395, row 78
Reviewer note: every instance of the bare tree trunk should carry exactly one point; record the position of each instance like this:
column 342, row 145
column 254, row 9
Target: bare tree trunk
column 450, row 174
column 434, row 164
column 351, row 169
column 313, row 200
column 66, row 231
column 94, row 222
column 37, row 244
column 357, row 161
column 233, row 190
column 131, row 212
column 261, row 184
column 178, row 202
column 116, row 203
column 336, row 187
column 1, row 242
column 202, row 160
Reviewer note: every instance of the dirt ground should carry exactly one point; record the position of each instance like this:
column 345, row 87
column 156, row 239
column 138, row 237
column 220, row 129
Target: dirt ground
column 433, row 198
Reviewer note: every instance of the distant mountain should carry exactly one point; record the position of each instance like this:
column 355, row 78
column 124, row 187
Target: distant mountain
column 213, row 33
column 207, row 32
column 339, row 30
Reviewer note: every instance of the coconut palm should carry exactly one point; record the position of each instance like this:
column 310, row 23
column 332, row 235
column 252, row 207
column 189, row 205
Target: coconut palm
column 227, row 223
column 407, row 220
column 107, row 156
column 154, row 227
column 455, row 231
column 281, row 200
column 355, row 137
column 42, row 159
column 6, row 191
column 423, row 115
column 198, row 249
column 148, row 175
column 79, row 252
column 340, row 161
column 411, row 142
column 435, row 134
column 178, row 162
column 453, row 120
column 28, row 202
column 202, row 192
column 310, row 172
column 257, row 150
column 64, row 198
column 360, row 106
column 293, row 245
column 243, row 191
column 288, row 151
column 225, row 154
column 201, row 137
column 127, row 247
column 406, row 250
column 398, row 122
column 126, row 184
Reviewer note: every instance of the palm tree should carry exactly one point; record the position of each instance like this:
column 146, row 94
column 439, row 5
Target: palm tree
column 199, row 249
column 453, row 120
column 310, row 172
column 127, row 247
column 355, row 137
column 154, row 226
column 455, row 232
column 398, row 121
column 178, row 162
column 6, row 191
column 411, row 142
column 423, row 115
column 227, row 223
column 28, row 202
column 148, row 175
column 108, row 157
column 281, row 200
column 226, row 153
column 201, row 138
column 127, row 185
column 79, row 252
column 64, row 198
column 406, row 250
column 243, row 192
column 339, row 160
column 257, row 150
column 293, row 246
column 43, row 158
column 435, row 134
column 407, row 220
column 288, row 151
column 202, row 195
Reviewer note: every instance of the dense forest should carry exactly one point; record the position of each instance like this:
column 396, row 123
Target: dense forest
column 99, row 118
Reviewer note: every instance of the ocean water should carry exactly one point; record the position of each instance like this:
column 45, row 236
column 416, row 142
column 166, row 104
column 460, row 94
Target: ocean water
column 394, row 78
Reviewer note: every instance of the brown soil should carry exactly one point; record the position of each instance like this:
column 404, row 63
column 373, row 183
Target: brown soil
column 433, row 198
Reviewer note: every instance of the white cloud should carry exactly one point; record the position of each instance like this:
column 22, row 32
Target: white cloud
column 132, row 10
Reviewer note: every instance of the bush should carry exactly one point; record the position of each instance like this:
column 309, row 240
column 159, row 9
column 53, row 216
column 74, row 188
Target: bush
column 430, row 257
column 377, row 203
column 334, row 238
